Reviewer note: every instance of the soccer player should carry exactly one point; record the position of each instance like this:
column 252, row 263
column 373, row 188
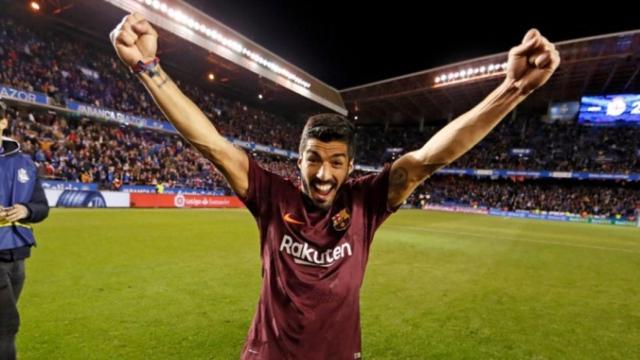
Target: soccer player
column 315, row 239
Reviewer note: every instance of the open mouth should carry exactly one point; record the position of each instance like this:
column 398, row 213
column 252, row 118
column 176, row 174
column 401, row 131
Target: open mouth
column 322, row 190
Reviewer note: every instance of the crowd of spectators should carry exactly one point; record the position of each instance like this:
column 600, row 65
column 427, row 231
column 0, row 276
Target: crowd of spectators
column 111, row 155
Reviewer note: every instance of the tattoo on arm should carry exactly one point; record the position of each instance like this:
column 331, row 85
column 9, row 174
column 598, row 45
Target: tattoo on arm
column 398, row 177
column 157, row 77
column 401, row 185
column 163, row 80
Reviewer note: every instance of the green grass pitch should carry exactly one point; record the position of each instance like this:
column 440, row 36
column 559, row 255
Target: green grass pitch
column 183, row 284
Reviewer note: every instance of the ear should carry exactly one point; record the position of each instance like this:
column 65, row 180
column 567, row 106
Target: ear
column 299, row 162
column 351, row 166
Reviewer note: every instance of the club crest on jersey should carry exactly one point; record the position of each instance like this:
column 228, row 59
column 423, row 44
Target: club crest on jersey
column 341, row 220
column 23, row 176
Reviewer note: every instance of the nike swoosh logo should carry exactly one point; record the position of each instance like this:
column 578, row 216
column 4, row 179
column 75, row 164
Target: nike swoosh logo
column 287, row 217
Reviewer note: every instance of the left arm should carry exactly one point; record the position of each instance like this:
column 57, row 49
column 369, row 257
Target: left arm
column 530, row 65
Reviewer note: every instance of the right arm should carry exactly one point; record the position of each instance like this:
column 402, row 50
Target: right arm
column 135, row 39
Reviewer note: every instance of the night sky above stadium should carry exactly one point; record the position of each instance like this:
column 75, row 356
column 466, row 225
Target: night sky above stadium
column 348, row 46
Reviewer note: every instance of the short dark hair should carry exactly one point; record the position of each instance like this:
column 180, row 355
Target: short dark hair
column 330, row 127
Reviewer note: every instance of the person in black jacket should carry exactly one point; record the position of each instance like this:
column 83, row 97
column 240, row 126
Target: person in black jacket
column 22, row 202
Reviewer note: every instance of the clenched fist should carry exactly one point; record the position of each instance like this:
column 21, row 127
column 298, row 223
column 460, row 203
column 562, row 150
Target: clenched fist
column 134, row 39
column 532, row 62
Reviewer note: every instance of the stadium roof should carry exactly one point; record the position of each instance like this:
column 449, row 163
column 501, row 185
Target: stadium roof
column 606, row 64
column 245, row 74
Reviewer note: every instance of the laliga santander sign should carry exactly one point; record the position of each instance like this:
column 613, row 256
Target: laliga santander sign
column 145, row 200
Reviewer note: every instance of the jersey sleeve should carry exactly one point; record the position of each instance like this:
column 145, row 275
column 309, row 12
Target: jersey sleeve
column 373, row 190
